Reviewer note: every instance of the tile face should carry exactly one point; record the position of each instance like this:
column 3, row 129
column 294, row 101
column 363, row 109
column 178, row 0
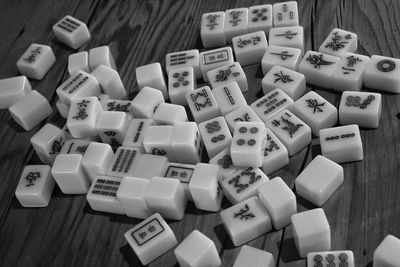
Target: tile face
column 12, row 90
column 215, row 58
column 146, row 102
column 182, row 172
column 81, row 84
column 205, row 188
column 71, row 32
column 291, row 82
column 318, row 68
column 279, row 201
column 130, row 195
column 101, row 55
column 287, row 36
column 166, row 196
column 244, row 113
column 246, row 221
column 341, row 144
column 250, row 48
column 123, row 162
column 249, row 256
column 186, row 143
column 293, row 132
column 286, row 14
column 387, row 253
column 202, row 104
column 151, row 75
column 148, row 166
column 157, row 141
column 78, row 61
column 180, row 81
column 349, row 73
column 212, row 29
column 82, row 117
column 48, row 142
column 118, row 105
column 247, row 144
column 243, row 184
column 224, row 160
column 311, row 231
column 260, row 18
column 236, row 23
column 271, row 103
column 317, row 112
column 339, row 42
column 331, row 258
column 361, row 108
column 197, row 250
column 96, row 159
column 69, row 175
column 319, row 180
column 226, row 74
column 275, row 153
column 109, row 81
column 111, row 126
column 229, row 97
column 30, row 110
column 151, row 238
column 102, row 195
column 216, row 135
column 35, row 186
column 36, row 61
column 282, row 56
column 184, row 59
column 382, row 73
column 169, row 114
column 136, row 131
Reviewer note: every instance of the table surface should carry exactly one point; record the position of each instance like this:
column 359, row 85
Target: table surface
column 361, row 212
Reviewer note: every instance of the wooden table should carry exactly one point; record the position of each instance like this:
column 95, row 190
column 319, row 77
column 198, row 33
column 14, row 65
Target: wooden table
column 68, row 233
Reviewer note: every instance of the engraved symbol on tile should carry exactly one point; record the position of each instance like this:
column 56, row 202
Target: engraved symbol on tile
column 106, row 187
column 290, row 127
column 212, row 21
column 351, row 61
column 336, row 42
column 202, row 94
column 355, row 101
column 147, row 232
column 259, row 15
column 283, row 55
column 158, row 151
column 282, row 77
column 215, row 57
column 252, row 40
column 34, row 53
column 386, row 65
column 223, row 75
column 287, row 34
column 313, row 103
column 228, row 93
column 113, row 106
column 246, row 117
column 225, row 162
column 317, row 61
column 138, row 131
column 235, row 17
column 56, row 146
column 336, row 137
column 244, row 213
column 213, row 127
column 284, row 10
column 68, row 25
column 81, row 149
column 180, row 79
column 318, row 258
column 31, row 178
column 219, row 189
column 236, row 180
column 272, row 145
column 81, row 115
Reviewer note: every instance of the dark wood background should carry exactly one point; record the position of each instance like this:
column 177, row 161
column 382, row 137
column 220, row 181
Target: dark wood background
column 68, row 233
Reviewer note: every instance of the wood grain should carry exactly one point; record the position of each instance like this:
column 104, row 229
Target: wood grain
column 68, row 232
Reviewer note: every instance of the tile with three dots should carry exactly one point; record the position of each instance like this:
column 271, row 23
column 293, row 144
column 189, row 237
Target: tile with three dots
column 338, row 258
